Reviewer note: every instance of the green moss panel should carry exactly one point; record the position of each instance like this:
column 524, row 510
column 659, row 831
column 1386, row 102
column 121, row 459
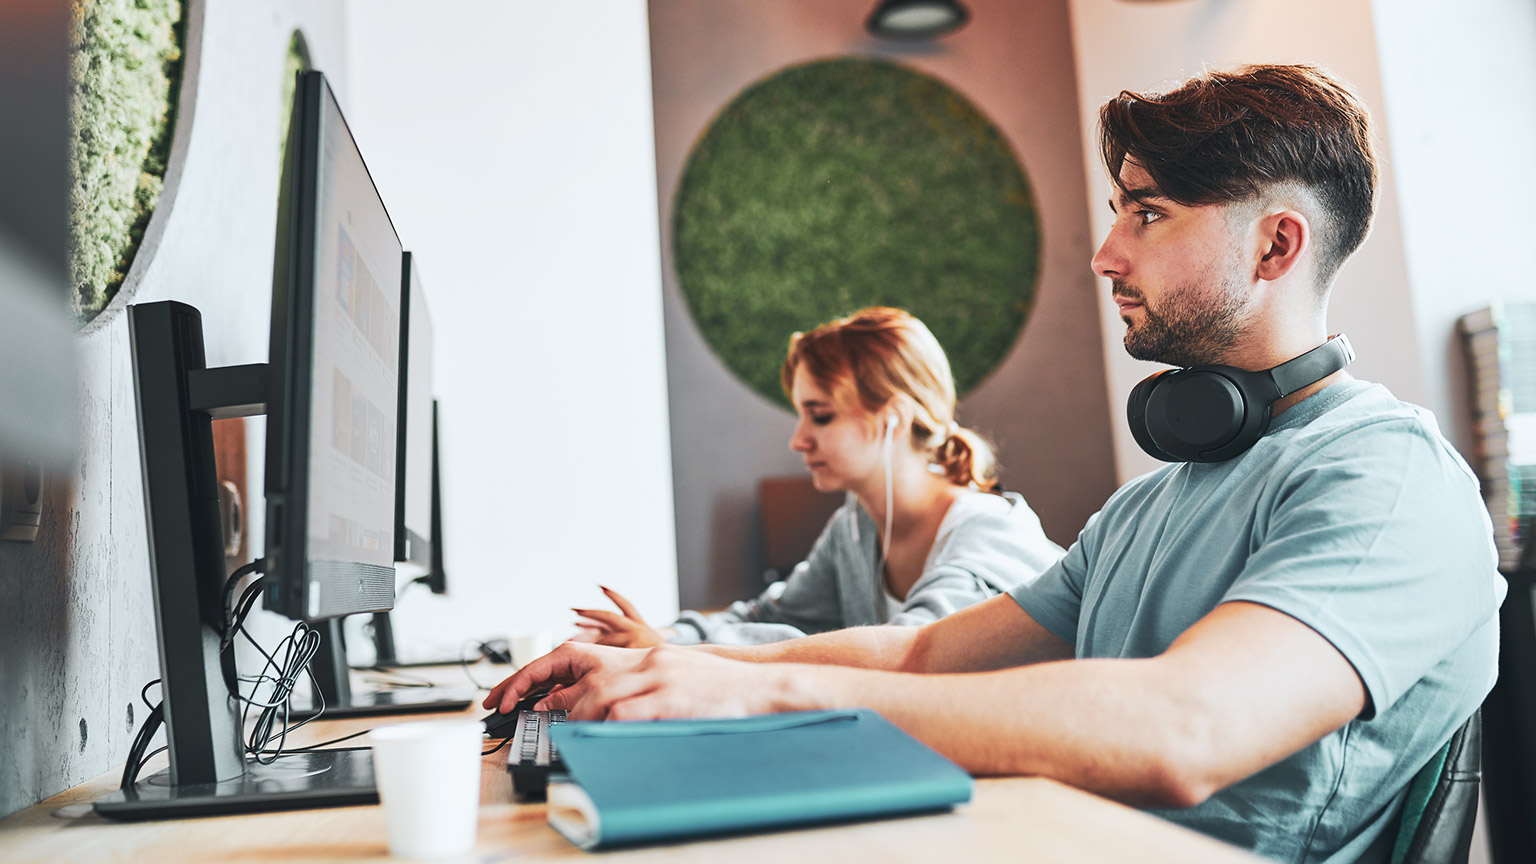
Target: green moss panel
column 843, row 183
column 125, row 74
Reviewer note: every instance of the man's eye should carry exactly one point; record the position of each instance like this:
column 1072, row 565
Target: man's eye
column 821, row 419
column 1147, row 217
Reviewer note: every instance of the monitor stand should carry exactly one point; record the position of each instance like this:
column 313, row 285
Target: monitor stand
column 384, row 649
column 333, row 677
column 177, row 398
column 317, row 778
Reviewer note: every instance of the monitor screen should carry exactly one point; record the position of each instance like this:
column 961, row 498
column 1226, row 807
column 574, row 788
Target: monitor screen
column 334, row 375
column 413, row 466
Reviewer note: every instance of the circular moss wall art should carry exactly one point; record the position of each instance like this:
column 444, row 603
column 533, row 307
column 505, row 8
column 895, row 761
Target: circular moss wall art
column 845, row 183
column 125, row 70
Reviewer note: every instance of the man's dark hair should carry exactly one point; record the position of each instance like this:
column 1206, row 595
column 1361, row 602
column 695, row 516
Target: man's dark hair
column 1231, row 136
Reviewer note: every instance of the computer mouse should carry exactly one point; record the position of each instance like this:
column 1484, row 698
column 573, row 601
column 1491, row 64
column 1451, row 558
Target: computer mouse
column 499, row 725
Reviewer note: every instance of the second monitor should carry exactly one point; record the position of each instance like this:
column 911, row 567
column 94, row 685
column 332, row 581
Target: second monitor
column 417, row 514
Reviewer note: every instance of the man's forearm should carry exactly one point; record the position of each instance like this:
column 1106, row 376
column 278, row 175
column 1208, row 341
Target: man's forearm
column 885, row 647
column 1099, row 725
column 995, row 634
column 1243, row 688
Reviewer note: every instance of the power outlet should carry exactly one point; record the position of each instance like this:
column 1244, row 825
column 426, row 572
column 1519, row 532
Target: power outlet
column 21, row 501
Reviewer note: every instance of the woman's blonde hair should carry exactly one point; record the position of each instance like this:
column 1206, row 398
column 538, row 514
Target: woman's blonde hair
column 879, row 353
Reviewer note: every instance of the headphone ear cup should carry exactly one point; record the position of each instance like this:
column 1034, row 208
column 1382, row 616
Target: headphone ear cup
column 1136, row 416
column 1206, row 413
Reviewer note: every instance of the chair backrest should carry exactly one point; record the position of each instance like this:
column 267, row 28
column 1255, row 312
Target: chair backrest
column 792, row 515
column 1440, row 809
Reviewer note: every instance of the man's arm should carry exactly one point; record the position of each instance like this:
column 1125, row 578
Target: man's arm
column 993, row 634
column 1242, row 689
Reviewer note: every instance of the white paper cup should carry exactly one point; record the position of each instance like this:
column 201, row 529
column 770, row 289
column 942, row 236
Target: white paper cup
column 530, row 647
column 428, row 775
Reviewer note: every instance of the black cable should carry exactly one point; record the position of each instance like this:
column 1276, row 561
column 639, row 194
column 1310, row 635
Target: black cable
column 235, row 619
column 464, row 663
column 316, row 749
column 229, row 588
column 136, row 759
column 398, row 678
column 298, row 648
column 145, row 734
column 148, row 756
column 309, row 747
column 494, row 749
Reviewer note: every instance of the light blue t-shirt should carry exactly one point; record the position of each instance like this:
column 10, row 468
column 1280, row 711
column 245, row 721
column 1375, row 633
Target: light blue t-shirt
column 1352, row 515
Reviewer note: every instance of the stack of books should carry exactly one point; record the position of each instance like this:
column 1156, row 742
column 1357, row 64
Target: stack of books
column 1500, row 342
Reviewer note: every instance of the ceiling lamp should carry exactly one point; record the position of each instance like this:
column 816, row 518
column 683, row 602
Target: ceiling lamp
column 912, row 20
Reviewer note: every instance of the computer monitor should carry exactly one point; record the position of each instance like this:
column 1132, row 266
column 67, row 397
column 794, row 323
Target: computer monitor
column 330, row 391
column 333, row 368
column 369, row 419
column 413, row 494
column 417, row 512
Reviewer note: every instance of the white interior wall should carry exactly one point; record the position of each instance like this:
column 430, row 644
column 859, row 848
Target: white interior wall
column 513, row 146
column 1460, row 87
column 1138, row 46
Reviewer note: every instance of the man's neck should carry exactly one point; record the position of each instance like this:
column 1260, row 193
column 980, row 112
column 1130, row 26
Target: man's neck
column 1301, row 395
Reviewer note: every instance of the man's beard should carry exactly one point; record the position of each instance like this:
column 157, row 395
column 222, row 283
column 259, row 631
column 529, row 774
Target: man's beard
column 1182, row 334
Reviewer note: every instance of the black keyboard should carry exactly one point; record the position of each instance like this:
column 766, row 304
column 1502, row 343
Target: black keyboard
column 533, row 756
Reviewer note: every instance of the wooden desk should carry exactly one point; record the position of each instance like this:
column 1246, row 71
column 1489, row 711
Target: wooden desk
column 1008, row 819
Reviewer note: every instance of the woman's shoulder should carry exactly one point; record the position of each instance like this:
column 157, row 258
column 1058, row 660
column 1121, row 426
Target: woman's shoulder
column 983, row 513
column 972, row 505
column 994, row 533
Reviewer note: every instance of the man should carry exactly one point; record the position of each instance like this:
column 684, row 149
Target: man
column 1265, row 648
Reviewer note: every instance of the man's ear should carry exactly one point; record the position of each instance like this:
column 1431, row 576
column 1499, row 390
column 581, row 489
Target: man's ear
column 1284, row 237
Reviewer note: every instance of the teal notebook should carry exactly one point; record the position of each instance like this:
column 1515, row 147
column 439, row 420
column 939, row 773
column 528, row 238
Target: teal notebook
column 671, row 779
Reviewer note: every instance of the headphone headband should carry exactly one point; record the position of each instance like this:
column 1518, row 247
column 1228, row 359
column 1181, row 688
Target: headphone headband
column 1313, row 366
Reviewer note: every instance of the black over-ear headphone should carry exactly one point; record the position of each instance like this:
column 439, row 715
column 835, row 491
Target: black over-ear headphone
column 1213, row 413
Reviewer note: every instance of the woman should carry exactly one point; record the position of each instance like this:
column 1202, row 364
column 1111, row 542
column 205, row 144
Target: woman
column 925, row 531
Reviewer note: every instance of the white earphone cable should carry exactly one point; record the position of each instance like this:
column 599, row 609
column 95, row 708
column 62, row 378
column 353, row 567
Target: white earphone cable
column 885, row 539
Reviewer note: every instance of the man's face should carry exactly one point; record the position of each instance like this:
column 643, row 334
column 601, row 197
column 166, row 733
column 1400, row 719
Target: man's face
column 1177, row 273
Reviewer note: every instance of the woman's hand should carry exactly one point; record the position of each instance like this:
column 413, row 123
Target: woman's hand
column 627, row 630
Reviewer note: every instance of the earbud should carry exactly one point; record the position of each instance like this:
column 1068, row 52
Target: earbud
column 890, row 426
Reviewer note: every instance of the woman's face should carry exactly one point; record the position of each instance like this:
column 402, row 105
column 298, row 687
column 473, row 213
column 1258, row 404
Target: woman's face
column 840, row 446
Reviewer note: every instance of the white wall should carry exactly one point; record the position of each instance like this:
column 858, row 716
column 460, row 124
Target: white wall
column 1137, row 46
column 512, row 144
column 1460, row 87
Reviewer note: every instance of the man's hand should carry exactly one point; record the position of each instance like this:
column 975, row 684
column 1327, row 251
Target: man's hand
column 572, row 666
column 628, row 630
column 670, row 681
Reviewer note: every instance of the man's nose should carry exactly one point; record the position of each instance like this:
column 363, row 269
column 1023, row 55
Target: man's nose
column 1108, row 261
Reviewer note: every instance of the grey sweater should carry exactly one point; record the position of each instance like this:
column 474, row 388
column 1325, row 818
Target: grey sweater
column 986, row 545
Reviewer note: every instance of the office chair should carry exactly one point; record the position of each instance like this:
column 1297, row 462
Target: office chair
column 1440, row 809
